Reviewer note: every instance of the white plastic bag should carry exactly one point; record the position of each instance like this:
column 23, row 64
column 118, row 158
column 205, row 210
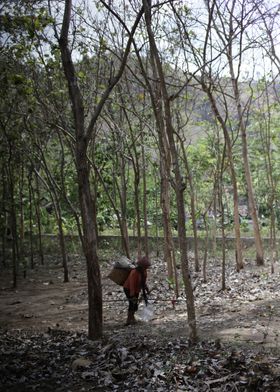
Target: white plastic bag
column 145, row 313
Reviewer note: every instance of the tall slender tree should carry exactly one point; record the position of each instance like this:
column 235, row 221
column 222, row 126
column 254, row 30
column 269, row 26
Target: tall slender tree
column 168, row 132
column 83, row 136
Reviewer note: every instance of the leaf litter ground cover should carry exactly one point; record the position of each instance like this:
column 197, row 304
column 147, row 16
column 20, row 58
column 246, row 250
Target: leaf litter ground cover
column 63, row 361
column 43, row 343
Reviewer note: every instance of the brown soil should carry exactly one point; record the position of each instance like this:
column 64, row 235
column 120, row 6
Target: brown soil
column 247, row 312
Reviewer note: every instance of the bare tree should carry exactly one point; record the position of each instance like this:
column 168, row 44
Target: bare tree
column 206, row 75
column 233, row 22
column 166, row 132
column 164, row 166
column 83, row 136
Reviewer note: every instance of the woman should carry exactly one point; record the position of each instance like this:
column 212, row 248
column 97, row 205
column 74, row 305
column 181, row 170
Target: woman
column 133, row 285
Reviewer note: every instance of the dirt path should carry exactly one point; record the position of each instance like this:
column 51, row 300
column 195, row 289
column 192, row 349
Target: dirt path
column 248, row 312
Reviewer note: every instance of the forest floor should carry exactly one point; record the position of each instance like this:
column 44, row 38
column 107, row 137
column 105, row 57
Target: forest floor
column 44, row 345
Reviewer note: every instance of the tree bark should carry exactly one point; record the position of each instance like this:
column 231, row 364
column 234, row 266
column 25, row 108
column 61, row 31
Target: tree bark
column 179, row 186
column 38, row 216
column 251, row 197
column 123, row 202
column 155, row 95
column 4, row 214
column 238, row 244
column 31, row 236
column 82, row 138
column 145, row 214
column 234, row 28
column 12, row 221
column 95, row 325
column 193, row 214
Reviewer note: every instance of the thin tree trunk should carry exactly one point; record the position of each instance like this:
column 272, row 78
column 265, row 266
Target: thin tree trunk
column 207, row 85
column 214, row 227
column 21, row 222
column 167, row 232
column 206, row 243
column 265, row 134
column 222, row 209
column 123, row 201
column 38, row 217
column 137, row 211
column 137, row 177
column 83, row 137
column 193, row 214
column 242, row 126
column 31, row 237
column 273, row 239
column 12, row 219
column 178, row 182
column 66, row 198
column 146, row 246
column 122, row 221
column 155, row 95
column 252, row 203
column 62, row 243
column 95, row 325
column 13, row 226
column 157, row 221
column 238, row 245
column 55, row 193
column 4, row 214
column 223, row 239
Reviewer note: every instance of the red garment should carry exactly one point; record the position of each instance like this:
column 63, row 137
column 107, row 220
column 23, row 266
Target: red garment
column 133, row 283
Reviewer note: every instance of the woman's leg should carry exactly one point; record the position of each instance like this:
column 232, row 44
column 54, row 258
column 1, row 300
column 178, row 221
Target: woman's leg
column 132, row 307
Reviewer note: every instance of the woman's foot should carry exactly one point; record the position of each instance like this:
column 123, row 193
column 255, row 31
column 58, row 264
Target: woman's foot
column 130, row 318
